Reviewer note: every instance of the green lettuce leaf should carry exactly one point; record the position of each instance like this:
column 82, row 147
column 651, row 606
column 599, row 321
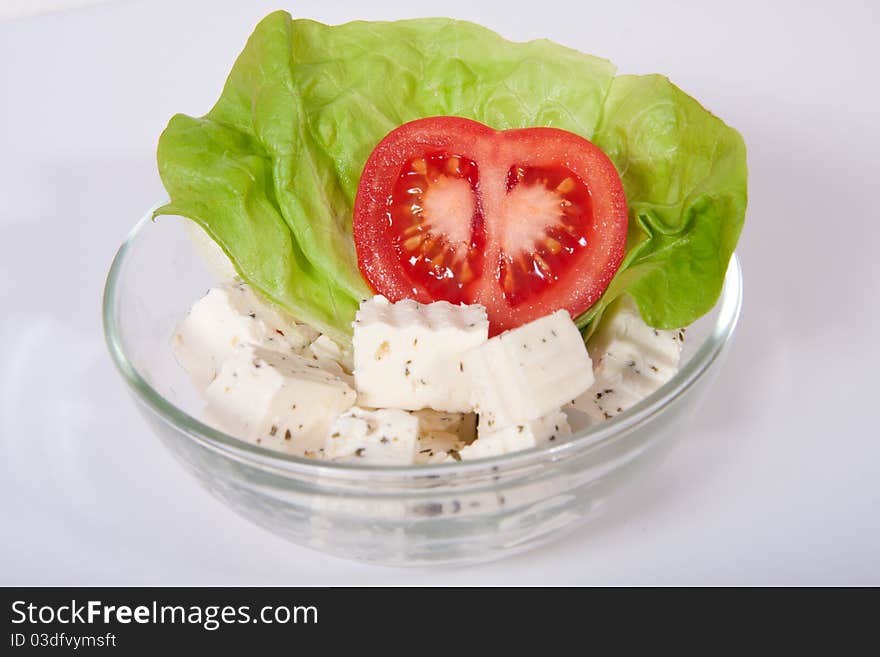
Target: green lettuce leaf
column 271, row 172
column 361, row 80
column 684, row 173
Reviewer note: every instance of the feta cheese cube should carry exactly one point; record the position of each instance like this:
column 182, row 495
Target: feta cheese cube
column 282, row 401
column 620, row 384
column 624, row 334
column 330, row 357
column 380, row 437
column 528, row 372
column 325, row 348
column 438, row 446
column 462, row 425
column 631, row 359
column 410, row 356
column 224, row 318
column 489, row 442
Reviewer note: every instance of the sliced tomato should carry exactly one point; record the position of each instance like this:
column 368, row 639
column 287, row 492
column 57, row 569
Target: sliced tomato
column 524, row 222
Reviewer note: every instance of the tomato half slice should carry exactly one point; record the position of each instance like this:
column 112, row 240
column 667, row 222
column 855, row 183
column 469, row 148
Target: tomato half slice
column 524, row 222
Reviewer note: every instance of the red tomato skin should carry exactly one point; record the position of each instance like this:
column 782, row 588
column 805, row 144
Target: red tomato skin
column 495, row 151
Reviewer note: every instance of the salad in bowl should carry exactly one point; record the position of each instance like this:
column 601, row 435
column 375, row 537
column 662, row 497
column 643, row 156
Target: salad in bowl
column 448, row 269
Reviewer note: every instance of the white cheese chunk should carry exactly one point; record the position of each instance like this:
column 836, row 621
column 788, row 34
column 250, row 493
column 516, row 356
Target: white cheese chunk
column 438, row 446
column 526, row 373
column 491, row 442
column 462, row 425
column 282, row 401
column 631, row 361
column 623, row 333
column 332, row 367
column 409, row 355
column 326, row 349
column 380, row 437
column 224, row 318
column 319, row 357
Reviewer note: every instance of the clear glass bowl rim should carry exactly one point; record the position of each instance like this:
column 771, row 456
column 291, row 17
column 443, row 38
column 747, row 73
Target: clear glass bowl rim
column 278, row 463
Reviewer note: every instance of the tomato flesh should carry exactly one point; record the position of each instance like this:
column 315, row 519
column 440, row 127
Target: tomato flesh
column 436, row 224
column 523, row 221
column 537, row 252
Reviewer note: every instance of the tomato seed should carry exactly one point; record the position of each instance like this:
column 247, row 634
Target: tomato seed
column 413, row 243
column 565, row 186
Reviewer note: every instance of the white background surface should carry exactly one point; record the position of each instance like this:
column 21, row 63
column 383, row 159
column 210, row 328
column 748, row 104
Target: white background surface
column 778, row 480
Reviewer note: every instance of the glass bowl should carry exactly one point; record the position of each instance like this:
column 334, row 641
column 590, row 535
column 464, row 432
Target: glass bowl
column 405, row 515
